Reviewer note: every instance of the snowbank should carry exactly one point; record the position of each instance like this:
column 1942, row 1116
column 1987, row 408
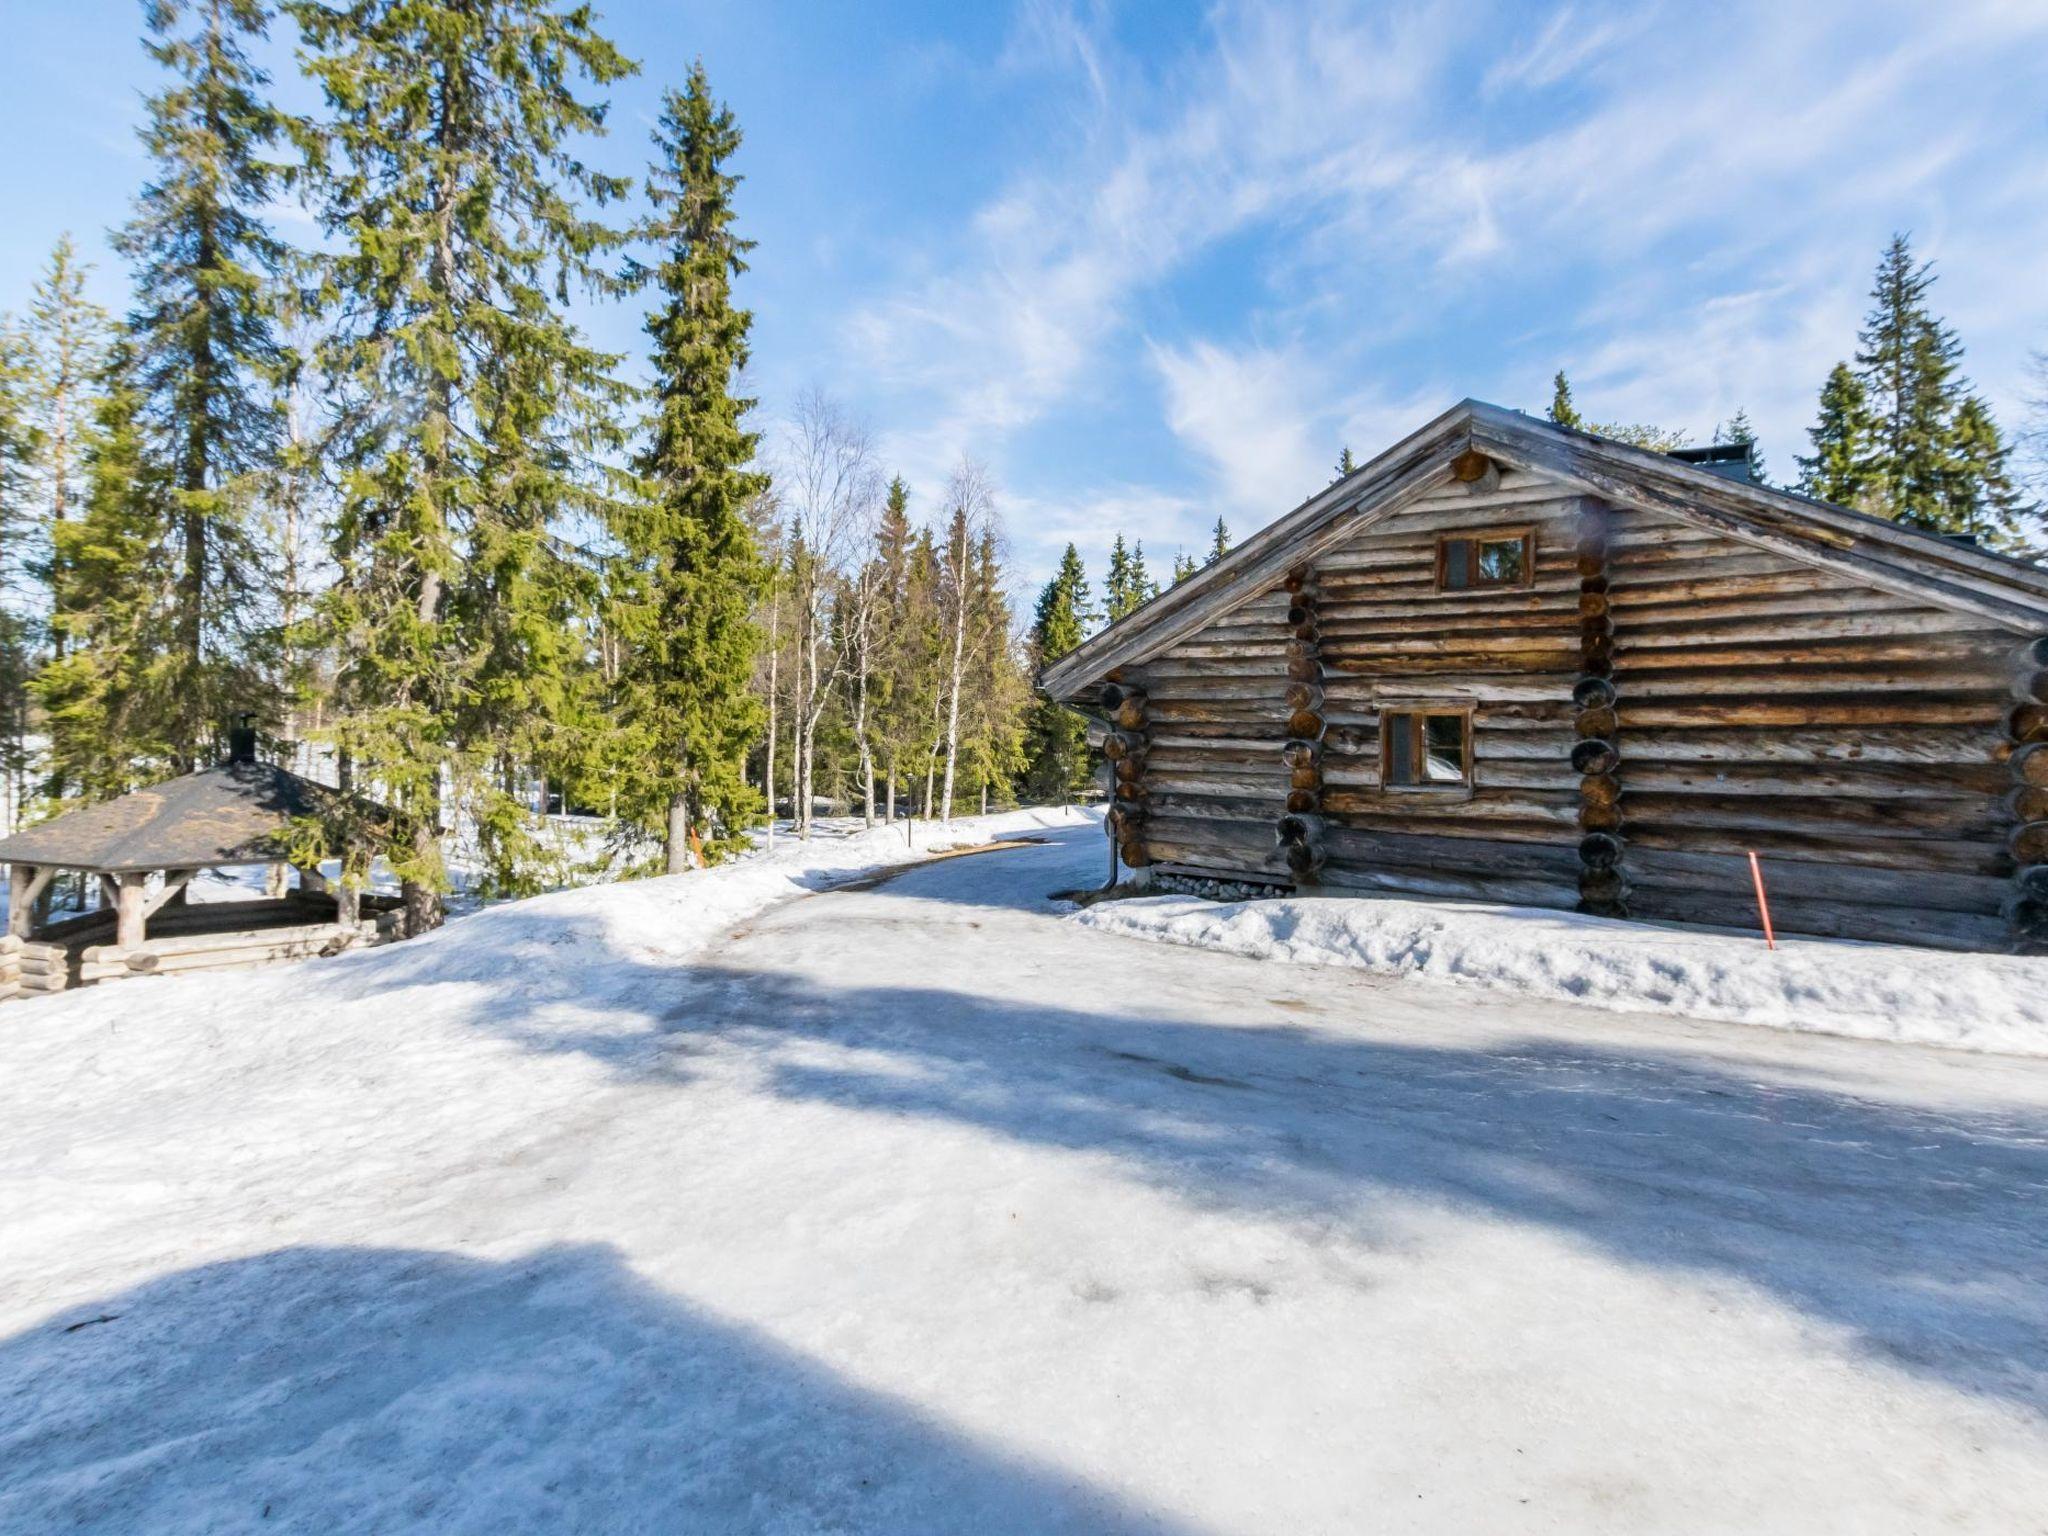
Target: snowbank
column 1870, row 991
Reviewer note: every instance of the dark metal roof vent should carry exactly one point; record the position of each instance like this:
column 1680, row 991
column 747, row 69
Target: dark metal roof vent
column 1731, row 461
column 242, row 742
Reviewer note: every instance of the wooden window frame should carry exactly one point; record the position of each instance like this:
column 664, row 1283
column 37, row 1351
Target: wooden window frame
column 1526, row 533
column 1419, row 738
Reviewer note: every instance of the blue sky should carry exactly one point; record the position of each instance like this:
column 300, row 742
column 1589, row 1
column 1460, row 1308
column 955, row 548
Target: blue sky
column 1153, row 263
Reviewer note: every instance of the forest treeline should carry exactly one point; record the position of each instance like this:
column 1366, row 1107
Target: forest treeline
column 376, row 490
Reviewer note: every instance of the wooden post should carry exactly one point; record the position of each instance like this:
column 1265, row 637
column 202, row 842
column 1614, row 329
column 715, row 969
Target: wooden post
column 1124, row 746
column 129, row 920
column 25, row 884
column 1596, row 757
column 348, row 904
column 2026, row 909
column 1299, row 830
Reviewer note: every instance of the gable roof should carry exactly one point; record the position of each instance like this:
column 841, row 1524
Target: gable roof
column 1909, row 562
column 232, row 814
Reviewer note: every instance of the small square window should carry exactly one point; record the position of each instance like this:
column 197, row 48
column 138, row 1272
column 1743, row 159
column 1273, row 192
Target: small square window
column 1425, row 749
column 1467, row 561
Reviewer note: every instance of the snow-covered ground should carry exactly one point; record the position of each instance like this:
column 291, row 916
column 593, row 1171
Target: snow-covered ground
column 1869, row 991
column 678, row 1206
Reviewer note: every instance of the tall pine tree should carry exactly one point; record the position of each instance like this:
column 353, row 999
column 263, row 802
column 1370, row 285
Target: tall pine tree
column 1219, row 542
column 1838, row 469
column 472, row 414
column 206, row 358
column 683, row 591
column 109, row 691
column 1129, row 586
column 17, row 523
column 67, row 344
column 1907, row 362
column 1055, row 738
column 1739, row 429
column 1562, row 410
column 1982, row 497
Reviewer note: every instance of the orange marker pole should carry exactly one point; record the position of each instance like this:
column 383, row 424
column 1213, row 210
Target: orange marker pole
column 1756, row 873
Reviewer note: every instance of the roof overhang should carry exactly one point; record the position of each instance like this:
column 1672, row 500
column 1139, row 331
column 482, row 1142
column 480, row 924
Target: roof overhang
column 1889, row 556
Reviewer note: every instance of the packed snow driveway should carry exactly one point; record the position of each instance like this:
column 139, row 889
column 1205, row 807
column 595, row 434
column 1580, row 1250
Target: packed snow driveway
column 917, row 1208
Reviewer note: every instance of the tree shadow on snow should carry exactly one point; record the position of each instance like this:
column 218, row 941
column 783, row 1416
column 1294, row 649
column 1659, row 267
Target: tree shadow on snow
column 362, row 1389
column 1923, row 1231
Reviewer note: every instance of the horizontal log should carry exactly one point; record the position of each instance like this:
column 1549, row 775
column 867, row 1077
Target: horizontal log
column 1600, row 850
column 1732, row 623
column 1600, row 816
column 1597, row 723
column 1967, row 656
column 1447, row 884
column 1934, row 782
column 1909, row 745
column 1817, row 879
column 1552, row 859
column 1595, row 757
column 1886, row 925
column 1961, row 856
column 1428, row 633
column 1593, row 693
column 1305, row 725
column 2028, row 842
column 1975, row 817
column 1831, row 709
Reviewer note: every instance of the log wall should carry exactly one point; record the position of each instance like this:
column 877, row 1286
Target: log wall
column 1656, row 702
column 1215, row 777
column 1856, row 740
column 1511, row 655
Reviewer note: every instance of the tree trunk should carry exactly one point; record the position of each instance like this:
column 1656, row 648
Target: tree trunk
column 422, row 903
column 774, row 665
column 676, row 846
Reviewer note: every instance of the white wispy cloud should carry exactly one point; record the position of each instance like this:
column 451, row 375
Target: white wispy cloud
column 1683, row 207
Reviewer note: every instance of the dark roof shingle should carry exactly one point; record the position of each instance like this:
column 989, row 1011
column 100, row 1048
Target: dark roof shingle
column 230, row 814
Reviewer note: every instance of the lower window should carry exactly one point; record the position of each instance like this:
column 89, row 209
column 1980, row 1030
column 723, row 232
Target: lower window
column 1425, row 749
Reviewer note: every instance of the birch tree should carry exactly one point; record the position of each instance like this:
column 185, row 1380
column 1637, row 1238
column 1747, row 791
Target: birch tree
column 830, row 488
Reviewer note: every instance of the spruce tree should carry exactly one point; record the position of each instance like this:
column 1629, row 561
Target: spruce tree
column 1838, row 469
column 1562, row 411
column 1122, row 589
column 206, row 357
column 17, row 522
column 67, row 341
column 1981, row 497
column 472, row 415
column 109, row 691
column 1738, row 429
column 1346, row 464
column 1183, row 567
column 1907, row 361
column 1055, row 737
column 1143, row 587
column 689, row 574
column 1219, row 542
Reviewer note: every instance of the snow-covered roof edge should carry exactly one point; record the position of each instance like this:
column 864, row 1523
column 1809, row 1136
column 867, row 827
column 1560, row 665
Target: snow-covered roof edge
column 1893, row 557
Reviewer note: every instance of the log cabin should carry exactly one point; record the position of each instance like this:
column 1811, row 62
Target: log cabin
column 1509, row 662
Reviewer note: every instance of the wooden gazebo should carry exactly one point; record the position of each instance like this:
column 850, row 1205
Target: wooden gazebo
column 236, row 814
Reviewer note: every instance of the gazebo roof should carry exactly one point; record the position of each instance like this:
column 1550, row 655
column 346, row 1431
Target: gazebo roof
column 234, row 813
